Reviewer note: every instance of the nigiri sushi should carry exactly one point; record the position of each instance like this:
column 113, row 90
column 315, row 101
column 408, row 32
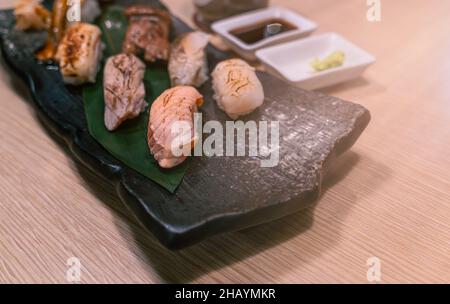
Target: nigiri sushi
column 79, row 53
column 147, row 33
column 187, row 60
column 173, row 106
column 124, row 89
column 237, row 89
column 64, row 15
column 31, row 15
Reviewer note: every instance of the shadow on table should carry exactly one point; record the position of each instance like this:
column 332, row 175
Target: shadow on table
column 186, row 265
column 224, row 250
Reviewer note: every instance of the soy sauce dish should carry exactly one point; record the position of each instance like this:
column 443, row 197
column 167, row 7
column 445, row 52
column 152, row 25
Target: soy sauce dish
column 246, row 33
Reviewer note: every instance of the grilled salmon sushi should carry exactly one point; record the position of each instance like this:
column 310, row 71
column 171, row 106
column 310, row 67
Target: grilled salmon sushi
column 171, row 133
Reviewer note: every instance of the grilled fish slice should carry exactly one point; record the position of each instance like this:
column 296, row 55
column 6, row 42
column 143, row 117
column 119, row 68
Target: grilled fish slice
column 63, row 12
column 187, row 60
column 147, row 33
column 79, row 53
column 174, row 107
column 124, row 89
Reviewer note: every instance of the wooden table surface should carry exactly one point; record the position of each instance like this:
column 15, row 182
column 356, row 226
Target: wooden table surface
column 389, row 197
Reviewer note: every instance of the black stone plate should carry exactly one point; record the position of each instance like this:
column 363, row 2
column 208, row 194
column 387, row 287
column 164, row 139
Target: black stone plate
column 218, row 194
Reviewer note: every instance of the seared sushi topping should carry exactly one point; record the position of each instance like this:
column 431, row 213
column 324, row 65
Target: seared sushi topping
column 58, row 24
column 173, row 108
column 79, row 53
column 237, row 89
column 124, row 89
column 147, row 33
column 187, row 61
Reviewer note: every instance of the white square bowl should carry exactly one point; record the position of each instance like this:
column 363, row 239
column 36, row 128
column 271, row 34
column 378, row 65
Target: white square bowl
column 292, row 60
column 247, row 51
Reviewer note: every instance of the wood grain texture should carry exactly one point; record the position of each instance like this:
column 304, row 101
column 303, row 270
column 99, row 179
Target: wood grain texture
column 389, row 197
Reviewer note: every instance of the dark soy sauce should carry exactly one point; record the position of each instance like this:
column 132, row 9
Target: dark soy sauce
column 255, row 32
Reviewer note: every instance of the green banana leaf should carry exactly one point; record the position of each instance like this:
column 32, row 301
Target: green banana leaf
column 128, row 143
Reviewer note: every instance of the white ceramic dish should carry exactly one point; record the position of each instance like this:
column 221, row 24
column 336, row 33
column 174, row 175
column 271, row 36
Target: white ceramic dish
column 223, row 28
column 292, row 60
